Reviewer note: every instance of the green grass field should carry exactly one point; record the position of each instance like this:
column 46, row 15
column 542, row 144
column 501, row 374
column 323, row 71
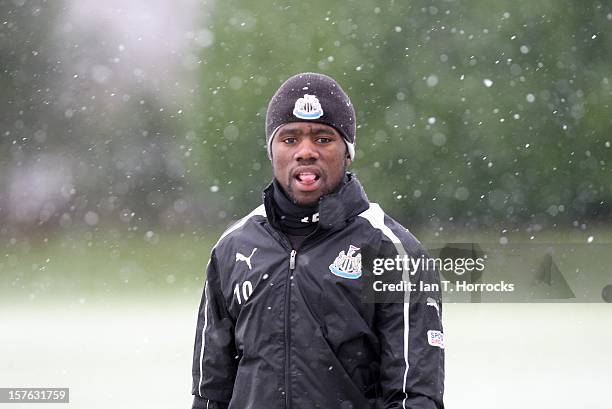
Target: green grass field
column 82, row 266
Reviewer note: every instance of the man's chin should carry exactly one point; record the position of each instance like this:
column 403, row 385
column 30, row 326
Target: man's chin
column 305, row 201
column 304, row 198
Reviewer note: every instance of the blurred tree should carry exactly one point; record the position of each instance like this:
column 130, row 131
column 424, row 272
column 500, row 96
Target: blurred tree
column 485, row 113
column 82, row 142
column 27, row 70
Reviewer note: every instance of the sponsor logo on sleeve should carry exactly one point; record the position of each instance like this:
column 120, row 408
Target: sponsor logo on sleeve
column 435, row 338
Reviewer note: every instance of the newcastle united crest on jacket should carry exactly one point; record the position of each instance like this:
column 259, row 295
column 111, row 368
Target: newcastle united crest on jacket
column 347, row 265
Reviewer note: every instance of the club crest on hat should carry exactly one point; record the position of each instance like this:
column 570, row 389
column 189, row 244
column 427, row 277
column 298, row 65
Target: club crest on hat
column 308, row 108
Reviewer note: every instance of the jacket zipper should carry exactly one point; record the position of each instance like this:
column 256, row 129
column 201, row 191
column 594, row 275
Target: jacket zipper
column 288, row 331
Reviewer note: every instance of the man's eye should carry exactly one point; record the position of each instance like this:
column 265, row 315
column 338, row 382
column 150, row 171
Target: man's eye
column 324, row 140
column 289, row 140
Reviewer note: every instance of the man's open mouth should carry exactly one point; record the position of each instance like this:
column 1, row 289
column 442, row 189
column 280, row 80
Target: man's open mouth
column 308, row 179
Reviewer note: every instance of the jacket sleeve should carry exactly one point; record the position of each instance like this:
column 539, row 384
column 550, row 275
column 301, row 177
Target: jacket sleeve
column 214, row 364
column 410, row 333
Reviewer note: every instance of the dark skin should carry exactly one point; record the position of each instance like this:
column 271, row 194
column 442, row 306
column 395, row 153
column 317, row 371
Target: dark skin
column 309, row 160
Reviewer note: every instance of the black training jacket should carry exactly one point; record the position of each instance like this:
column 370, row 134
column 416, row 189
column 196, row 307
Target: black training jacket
column 285, row 329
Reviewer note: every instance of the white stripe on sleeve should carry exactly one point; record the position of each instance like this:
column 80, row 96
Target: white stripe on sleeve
column 376, row 216
column 258, row 211
column 203, row 338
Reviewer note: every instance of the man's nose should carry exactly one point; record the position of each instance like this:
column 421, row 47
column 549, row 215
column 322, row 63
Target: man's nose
column 307, row 150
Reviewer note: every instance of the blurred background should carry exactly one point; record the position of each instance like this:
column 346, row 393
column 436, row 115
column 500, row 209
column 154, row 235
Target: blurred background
column 132, row 134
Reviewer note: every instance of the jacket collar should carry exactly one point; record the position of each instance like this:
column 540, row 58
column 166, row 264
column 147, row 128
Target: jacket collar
column 335, row 209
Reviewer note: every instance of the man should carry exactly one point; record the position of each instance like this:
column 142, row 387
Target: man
column 282, row 322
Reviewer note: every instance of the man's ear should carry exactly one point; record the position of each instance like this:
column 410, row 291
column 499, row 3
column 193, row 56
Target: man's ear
column 348, row 160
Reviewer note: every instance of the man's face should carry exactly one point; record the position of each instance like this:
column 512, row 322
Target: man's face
column 309, row 160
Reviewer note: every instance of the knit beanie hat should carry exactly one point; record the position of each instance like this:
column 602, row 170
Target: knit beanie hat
column 312, row 97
